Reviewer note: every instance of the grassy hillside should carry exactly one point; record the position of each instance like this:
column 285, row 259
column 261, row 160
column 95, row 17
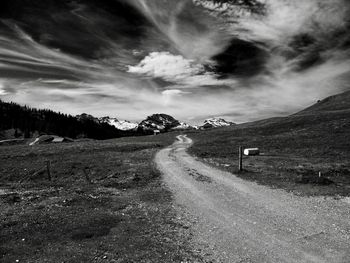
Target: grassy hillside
column 105, row 203
column 333, row 103
column 295, row 148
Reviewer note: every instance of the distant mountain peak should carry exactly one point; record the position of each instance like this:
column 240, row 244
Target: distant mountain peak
column 120, row 125
column 216, row 122
column 159, row 121
column 86, row 117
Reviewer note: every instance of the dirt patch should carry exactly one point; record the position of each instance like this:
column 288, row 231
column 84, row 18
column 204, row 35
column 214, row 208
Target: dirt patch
column 199, row 177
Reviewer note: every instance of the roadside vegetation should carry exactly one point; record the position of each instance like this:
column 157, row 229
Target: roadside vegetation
column 104, row 203
column 294, row 149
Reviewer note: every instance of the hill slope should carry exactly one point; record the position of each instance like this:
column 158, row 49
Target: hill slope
column 315, row 139
column 332, row 103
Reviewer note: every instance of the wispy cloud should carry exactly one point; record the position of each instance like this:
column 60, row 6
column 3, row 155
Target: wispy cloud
column 235, row 58
column 171, row 96
column 2, row 90
column 188, row 29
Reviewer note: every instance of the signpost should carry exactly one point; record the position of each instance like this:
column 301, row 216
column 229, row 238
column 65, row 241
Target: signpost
column 240, row 158
column 48, row 168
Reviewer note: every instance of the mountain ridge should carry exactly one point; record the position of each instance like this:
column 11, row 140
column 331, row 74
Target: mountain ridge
column 18, row 121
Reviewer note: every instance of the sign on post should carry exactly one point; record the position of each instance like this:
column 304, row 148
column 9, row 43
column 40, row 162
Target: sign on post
column 240, row 158
column 251, row 151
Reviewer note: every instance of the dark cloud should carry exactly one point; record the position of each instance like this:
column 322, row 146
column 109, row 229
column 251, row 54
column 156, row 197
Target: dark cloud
column 80, row 27
column 241, row 58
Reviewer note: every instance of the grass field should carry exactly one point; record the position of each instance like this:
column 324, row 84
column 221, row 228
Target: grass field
column 104, row 203
column 104, row 200
column 294, row 149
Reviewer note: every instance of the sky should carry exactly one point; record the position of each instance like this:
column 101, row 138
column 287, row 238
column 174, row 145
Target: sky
column 242, row 60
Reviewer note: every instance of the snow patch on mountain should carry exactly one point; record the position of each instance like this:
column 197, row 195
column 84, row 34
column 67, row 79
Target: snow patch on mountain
column 216, row 122
column 183, row 126
column 120, row 125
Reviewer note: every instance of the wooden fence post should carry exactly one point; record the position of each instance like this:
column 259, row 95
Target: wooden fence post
column 240, row 159
column 87, row 177
column 48, row 168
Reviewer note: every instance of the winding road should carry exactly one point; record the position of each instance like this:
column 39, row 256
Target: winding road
column 234, row 220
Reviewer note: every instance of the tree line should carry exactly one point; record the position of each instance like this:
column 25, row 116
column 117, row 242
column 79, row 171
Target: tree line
column 27, row 121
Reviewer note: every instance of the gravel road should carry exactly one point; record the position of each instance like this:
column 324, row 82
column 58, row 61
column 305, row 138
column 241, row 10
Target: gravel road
column 234, row 220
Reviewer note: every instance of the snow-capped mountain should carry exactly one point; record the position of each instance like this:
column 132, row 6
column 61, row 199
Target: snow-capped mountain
column 183, row 126
column 120, row 125
column 161, row 122
column 215, row 123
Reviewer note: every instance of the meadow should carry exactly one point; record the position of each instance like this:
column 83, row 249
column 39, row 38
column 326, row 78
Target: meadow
column 104, row 203
column 294, row 150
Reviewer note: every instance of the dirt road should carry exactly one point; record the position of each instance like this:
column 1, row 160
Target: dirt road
column 239, row 221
